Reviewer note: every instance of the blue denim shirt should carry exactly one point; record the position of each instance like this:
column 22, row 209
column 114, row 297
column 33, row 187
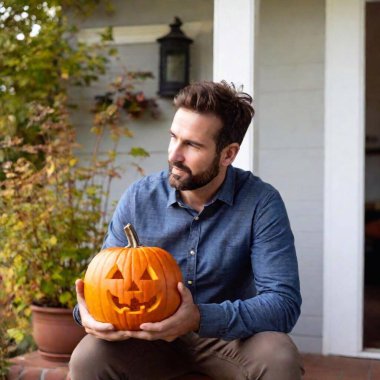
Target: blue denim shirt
column 237, row 255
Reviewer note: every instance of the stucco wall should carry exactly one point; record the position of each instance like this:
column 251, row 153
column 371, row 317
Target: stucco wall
column 150, row 134
column 289, row 122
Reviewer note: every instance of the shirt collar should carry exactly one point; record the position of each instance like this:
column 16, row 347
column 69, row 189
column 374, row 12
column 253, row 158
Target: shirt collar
column 172, row 198
column 225, row 193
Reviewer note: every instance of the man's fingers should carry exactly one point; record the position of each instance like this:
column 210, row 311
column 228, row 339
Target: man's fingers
column 154, row 327
column 150, row 335
column 109, row 336
column 79, row 287
column 91, row 324
column 79, row 284
column 184, row 292
column 145, row 335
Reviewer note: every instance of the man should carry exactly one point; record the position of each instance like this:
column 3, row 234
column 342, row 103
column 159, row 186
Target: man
column 230, row 234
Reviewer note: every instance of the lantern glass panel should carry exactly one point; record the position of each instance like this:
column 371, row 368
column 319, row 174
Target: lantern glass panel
column 175, row 67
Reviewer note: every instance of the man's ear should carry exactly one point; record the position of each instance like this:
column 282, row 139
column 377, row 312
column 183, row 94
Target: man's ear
column 229, row 154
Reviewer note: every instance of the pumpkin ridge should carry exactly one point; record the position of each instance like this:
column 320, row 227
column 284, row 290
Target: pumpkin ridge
column 122, row 318
column 150, row 256
column 99, row 311
column 136, row 264
column 166, row 279
column 107, row 259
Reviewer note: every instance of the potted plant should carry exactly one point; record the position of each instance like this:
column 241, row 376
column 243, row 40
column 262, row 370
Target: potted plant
column 53, row 214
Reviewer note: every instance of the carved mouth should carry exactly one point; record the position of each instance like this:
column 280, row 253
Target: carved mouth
column 135, row 306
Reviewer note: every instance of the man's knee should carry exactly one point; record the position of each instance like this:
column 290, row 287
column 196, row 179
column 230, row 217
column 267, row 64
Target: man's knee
column 276, row 346
column 95, row 359
column 81, row 358
column 88, row 360
column 277, row 355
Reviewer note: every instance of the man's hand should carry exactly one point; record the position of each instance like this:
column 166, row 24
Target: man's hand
column 99, row 329
column 184, row 320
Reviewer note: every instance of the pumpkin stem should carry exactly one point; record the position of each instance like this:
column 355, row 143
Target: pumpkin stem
column 132, row 237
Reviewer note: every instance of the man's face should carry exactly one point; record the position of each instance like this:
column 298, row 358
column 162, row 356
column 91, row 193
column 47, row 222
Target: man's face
column 193, row 161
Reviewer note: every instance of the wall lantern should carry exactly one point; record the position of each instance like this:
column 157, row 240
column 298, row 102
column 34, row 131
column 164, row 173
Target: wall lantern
column 174, row 60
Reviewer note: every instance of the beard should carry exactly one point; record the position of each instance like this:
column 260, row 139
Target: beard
column 192, row 181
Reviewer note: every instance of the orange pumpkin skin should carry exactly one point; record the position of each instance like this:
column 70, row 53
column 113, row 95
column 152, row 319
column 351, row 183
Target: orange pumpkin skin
column 127, row 286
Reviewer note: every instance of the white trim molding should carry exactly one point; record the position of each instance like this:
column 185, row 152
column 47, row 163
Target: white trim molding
column 139, row 34
column 344, row 178
column 234, row 53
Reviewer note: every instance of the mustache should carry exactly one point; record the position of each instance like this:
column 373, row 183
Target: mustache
column 179, row 165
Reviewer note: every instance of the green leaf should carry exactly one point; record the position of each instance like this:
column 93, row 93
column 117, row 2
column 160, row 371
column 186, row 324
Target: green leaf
column 16, row 334
column 107, row 34
column 138, row 152
column 113, row 52
column 65, row 298
column 47, row 287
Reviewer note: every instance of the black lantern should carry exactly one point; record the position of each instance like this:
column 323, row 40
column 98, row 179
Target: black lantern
column 174, row 60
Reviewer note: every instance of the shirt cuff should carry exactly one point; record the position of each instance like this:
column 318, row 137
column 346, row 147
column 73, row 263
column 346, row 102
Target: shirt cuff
column 213, row 323
column 76, row 315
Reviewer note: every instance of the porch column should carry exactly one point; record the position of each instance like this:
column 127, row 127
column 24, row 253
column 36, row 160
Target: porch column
column 234, row 48
column 344, row 178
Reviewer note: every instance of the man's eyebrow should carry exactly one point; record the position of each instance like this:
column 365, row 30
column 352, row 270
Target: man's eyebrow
column 196, row 143
column 193, row 142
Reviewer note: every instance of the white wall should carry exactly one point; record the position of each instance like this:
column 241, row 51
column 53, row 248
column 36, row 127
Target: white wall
column 289, row 121
column 150, row 134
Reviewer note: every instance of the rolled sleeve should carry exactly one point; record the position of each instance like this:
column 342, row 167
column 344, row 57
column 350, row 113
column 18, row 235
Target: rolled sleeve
column 214, row 321
column 76, row 315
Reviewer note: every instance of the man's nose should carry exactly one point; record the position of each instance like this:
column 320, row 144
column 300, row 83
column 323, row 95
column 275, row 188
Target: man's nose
column 175, row 153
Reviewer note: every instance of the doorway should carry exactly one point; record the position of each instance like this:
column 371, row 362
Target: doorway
column 371, row 310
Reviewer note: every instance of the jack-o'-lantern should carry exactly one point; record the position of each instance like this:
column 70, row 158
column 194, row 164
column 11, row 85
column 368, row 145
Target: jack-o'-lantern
column 127, row 286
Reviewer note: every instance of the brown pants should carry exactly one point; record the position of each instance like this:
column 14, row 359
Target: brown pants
column 265, row 356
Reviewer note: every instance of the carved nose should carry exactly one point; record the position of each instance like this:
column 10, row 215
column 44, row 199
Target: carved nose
column 133, row 287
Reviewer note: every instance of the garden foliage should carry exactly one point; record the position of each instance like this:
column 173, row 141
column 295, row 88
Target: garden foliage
column 53, row 203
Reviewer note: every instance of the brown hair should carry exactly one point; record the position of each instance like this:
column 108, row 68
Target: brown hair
column 232, row 106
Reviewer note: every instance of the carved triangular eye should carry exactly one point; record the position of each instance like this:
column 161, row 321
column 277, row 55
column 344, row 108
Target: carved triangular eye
column 115, row 274
column 149, row 274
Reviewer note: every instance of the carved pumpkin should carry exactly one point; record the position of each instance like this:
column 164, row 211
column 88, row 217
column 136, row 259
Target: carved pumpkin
column 127, row 286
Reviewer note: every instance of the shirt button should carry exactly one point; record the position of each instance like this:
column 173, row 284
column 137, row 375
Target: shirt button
column 196, row 218
column 190, row 282
column 192, row 252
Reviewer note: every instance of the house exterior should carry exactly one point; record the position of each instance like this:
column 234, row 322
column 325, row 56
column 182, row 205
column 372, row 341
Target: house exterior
column 304, row 63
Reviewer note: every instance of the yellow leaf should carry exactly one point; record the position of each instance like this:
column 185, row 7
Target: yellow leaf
column 111, row 109
column 73, row 162
column 127, row 132
column 19, row 225
column 50, row 170
column 53, row 241
column 112, row 154
column 64, row 74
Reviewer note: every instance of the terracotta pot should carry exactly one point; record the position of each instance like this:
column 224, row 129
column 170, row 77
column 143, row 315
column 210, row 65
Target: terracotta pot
column 55, row 332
